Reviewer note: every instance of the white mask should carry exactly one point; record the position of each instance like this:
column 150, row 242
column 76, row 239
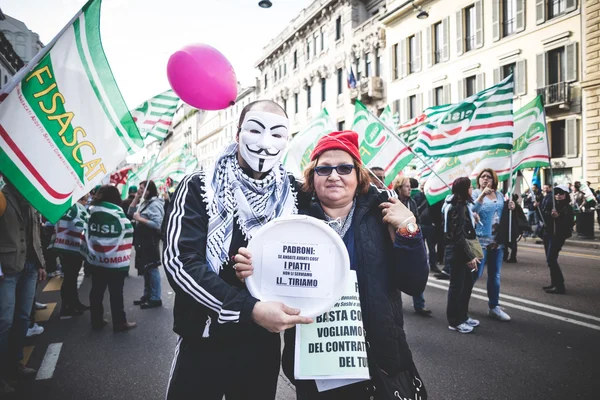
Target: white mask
column 263, row 137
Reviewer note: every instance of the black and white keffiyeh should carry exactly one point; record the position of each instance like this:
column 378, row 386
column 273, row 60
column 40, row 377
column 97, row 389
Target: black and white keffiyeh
column 230, row 193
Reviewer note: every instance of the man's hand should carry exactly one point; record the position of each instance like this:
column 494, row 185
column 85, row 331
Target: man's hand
column 554, row 214
column 243, row 264
column 277, row 317
column 42, row 274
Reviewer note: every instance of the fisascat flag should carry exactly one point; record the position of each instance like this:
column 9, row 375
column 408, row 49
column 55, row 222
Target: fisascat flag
column 482, row 122
column 64, row 126
column 376, row 145
column 155, row 116
column 297, row 156
column 530, row 150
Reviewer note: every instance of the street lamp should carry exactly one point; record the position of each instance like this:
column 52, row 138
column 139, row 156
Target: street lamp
column 422, row 13
column 265, row 4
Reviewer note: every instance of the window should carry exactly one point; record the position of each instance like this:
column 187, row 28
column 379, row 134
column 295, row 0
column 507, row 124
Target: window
column 412, row 54
column 308, row 46
column 308, row 96
column 295, row 59
column 412, row 106
column 378, row 63
column 323, row 89
column 558, row 139
column 275, row 75
column 438, row 42
column 338, row 28
column 284, row 66
column 340, row 81
column 556, row 63
column 322, row 39
column 508, row 69
column 358, row 69
column 368, row 71
column 470, row 28
column 315, row 40
column 470, row 86
column 284, row 105
column 509, row 15
column 295, row 103
column 556, row 8
column 341, row 125
column 395, row 71
column 438, row 96
column 266, row 82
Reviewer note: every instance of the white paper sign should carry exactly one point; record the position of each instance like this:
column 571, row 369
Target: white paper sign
column 297, row 270
column 334, row 346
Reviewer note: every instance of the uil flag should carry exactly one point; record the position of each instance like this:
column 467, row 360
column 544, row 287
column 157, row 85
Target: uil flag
column 64, row 124
column 377, row 146
column 155, row 116
column 297, row 156
column 482, row 122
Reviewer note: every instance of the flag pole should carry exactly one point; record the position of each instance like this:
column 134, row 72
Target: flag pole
column 549, row 161
column 20, row 75
column 531, row 191
column 406, row 145
column 150, row 171
column 510, row 190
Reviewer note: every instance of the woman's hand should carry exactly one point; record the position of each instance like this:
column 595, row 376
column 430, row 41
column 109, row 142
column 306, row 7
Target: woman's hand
column 396, row 214
column 243, row 264
column 137, row 217
column 476, row 217
column 511, row 205
column 554, row 214
column 473, row 264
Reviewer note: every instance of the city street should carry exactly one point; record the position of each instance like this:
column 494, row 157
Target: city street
column 549, row 350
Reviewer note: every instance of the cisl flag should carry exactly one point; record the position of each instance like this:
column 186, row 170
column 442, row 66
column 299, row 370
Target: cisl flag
column 64, row 125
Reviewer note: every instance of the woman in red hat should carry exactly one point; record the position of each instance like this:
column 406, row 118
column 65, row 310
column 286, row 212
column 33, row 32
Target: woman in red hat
column 385, row 249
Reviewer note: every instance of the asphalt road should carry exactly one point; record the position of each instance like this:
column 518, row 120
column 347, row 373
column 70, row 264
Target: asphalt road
column 550, row 349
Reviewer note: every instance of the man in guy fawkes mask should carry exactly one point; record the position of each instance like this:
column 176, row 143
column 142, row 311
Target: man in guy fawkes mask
column 228, row 341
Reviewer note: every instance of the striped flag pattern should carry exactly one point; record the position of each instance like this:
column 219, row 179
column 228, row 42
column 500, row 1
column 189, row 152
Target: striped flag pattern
column 155, row 116
column 482, row 122
column 297, row 156
column 376, row 145
column 64, row 125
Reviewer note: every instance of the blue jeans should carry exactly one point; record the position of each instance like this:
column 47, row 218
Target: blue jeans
column 429, row 235
column 419, row 302
column 17, row 293
column 152, row 284
column 493, row 258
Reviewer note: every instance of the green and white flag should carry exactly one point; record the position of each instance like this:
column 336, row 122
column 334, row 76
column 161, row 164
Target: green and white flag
column 530, row 150
column 64, row 124
column 155, row 116
column 482, row 122
column 376, row 145
column 135, row 177
column 297, row 156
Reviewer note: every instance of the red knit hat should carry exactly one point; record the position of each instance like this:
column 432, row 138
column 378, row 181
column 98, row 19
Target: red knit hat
column 345, row 140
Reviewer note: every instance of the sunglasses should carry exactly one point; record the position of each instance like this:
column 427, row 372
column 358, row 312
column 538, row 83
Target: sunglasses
column 325, row 170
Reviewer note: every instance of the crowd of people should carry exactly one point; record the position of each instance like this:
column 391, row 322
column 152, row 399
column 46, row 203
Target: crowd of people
column 97, row 233
column 393, row 236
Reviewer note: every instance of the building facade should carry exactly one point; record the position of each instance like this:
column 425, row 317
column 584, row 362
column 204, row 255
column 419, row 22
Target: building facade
column 219, row 128
column 306, row 67
column 25, row 42
column 591, row 89
column 465, row 46
column 10, row 62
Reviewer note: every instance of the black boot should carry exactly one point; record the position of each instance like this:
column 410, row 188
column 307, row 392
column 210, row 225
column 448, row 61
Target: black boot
column 557, row 290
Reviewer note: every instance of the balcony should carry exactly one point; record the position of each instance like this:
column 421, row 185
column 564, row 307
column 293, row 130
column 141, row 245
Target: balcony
column 367, row 90
column 556, row 94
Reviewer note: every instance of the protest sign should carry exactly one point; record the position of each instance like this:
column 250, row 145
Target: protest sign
column 298, row 270
column 334, row 346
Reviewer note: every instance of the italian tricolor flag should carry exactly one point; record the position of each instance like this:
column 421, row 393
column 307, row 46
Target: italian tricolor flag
column 64, row 124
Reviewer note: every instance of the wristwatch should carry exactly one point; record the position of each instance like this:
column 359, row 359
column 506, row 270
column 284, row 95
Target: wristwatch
column 409, row 231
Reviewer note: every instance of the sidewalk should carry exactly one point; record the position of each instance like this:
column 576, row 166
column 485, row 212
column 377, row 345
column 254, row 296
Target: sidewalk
column 573, row 241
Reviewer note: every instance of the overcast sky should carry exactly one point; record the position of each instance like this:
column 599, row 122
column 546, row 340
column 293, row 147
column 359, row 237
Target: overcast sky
column 140, row 35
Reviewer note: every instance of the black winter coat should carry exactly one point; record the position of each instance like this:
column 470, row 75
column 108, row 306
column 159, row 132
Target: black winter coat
column 384, row 270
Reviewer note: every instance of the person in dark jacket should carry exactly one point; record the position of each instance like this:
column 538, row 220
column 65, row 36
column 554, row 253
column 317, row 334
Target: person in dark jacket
column 148, row 219
column 131, row 192
column 558, row 228
column 229, row 342
column 460, row 228
column 403, row 188
column 386, row 250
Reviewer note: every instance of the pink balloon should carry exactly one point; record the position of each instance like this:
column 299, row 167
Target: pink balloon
column 202, row 77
